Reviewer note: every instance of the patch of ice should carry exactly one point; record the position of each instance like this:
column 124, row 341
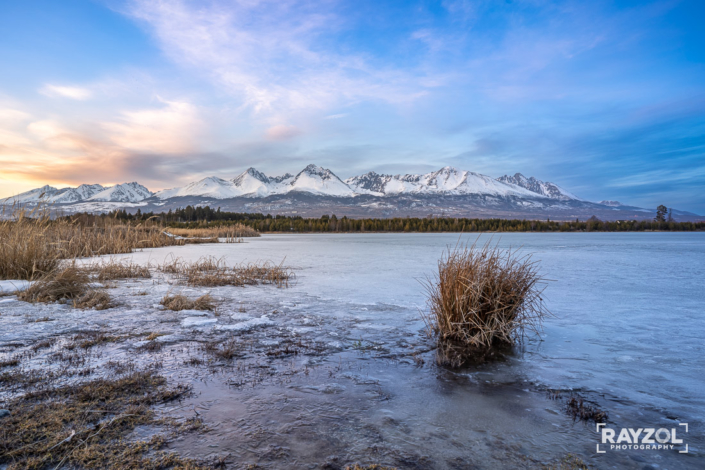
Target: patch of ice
column 197, row 321
column 194, row 313
column 13, row 286
column 248, row 325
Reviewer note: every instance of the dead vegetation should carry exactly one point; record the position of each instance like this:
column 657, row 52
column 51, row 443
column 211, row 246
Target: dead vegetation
column 32, row 244
column 180, row 302
column 95, row 299
column 213, row 272
column 88, row 425
column 226, row 350
column 579, row 410
column 67, row 284
column 231, row 233
column 113, row 269
column 484, row 298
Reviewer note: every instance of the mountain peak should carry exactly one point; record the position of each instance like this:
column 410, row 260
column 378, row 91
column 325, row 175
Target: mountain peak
column 542, row 188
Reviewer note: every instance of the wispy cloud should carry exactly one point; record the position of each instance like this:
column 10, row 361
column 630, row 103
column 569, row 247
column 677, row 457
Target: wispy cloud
column 271, row 54
column 172, row 128
column 72, row 92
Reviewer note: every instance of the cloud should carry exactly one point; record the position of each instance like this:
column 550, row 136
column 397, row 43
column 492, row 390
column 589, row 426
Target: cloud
column 270, row 54
column 75, row 93
column 170, row 129
column 282, row 132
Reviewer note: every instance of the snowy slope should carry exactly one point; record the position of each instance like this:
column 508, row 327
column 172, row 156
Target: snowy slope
column 543, row 188
column 50, row 194
column 447, row 180
column 317, row 180
column 125, row 192
column 210, row 187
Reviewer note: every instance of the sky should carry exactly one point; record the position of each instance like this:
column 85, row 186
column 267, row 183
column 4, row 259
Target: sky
column 604, row 98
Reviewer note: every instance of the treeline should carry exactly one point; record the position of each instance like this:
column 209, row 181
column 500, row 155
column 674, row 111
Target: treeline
column 195, row 217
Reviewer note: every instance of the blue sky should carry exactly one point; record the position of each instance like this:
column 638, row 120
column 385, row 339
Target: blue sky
column 605, row 98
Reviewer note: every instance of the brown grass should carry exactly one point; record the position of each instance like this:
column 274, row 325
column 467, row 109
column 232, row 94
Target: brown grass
column 97, row 299
column 484, row 297
column 231, row 233
column 67, row 283
column 88, row 426
column 181, row 302
column 111, row 270
column 213, row 272
column 32, row 244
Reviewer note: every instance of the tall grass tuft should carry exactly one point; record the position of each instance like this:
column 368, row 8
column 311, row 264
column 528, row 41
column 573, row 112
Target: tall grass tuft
column 484, row 297
column 68, row 283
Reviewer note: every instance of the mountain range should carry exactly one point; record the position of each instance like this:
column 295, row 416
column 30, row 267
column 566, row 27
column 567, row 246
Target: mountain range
column 315, row 191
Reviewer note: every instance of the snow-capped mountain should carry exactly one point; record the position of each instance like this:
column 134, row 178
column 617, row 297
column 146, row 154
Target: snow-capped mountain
column 52, row 195
column 126, row 192
column 314, row 191
column 534, row 185
column 253, row 183
column 317, row 180
column 322, row 181
column 447, row 180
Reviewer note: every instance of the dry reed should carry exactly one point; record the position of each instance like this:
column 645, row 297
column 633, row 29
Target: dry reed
column 112, row 269
column 32, row 244
column 484, row 297
column 67, row 283
column 96, row 299
column 230, row 233
column 181, row 302
column 213, row 272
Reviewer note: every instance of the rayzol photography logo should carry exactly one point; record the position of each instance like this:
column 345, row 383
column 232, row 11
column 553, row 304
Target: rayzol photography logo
column 640, row 438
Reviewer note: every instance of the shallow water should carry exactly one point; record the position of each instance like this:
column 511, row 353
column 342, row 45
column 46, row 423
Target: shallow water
column 627, row 333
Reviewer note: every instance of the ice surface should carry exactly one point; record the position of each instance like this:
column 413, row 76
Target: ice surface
column 347, row 329
column 9, row 287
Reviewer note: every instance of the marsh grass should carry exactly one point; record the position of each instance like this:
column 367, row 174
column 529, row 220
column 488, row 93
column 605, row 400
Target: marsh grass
column 94, row 299
column 32, row 244
column 113, row 269
column 213, row 272
column 88, row 425
column 483, row 299
column 231, row 233
column 181, row 302
column 67, row 283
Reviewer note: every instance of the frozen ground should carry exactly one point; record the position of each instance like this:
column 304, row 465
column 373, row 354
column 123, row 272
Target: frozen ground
column 336, row 369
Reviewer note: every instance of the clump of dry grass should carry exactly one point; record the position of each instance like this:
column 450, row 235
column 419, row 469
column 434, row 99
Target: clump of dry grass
column 484, row 297
column 119, row 270
column 96, row 299
column 67, row 283
column 214, row 272
column 32, row 244
column 180, row 302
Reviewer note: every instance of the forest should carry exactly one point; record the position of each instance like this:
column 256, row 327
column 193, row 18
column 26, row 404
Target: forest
column 196, row 217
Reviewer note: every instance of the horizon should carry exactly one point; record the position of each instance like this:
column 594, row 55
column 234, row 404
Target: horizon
column 605, row 99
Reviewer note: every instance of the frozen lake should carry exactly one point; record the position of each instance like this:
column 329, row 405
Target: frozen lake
column 628, row 333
